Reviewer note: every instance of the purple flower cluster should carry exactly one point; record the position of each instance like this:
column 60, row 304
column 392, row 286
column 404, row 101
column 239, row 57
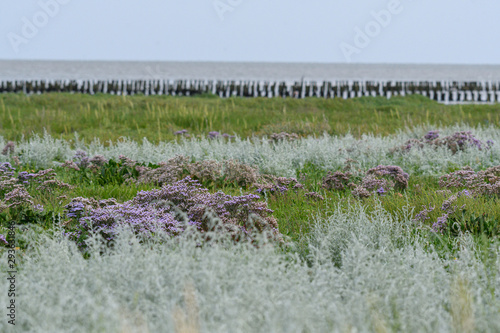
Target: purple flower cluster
column 81, row 159
column 180, row 166
column 46, row 180
column 462, row 140
column 449, row 207
column 24, row 177
column 485, row 182
column 336, row 180
column 190, row 197
column 7, row 179
column 167, row 173
column 359, row 191
column 70, row 165
column 6, row 169
column 379, row 180
column 314, row 196
column 441, row 223
column 464, row 192
column 18, row 197
column 170, row 209
column 393, row 172
column 3, row 240
column 215, row 135
column 431, row 135
column 144, row 220
column 181, row 132
column 270, row 188
column 75, row 209
column 98, row 160
column 79, row 206
column 373, row 183
column 456, row 142
column 423, row 215
column 9, row 148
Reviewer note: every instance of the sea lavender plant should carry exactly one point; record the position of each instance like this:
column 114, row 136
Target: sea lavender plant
column 381, row 191
column 190, row 197
column 485, row 182
column 167, row 173
column 81, row 159
column 336, row 180
column 277, row 185
column 6, row 169
column 24, row 177
column 441, row 223
column 9, row 148
column 239, row 173
column 465, row 177
column 207, row 170
column 70, row 165
column 7, row 179
column 423, row 215
column 38, row 208
column 360, row 192
column 431, row 135
column 314, row 196
column 151, row 211
column 213, row 135
column 449, row 206
column 75, row 209
column 458, row 141
column 98, row 160
column 18, row 197
column 181, row 132
column 144, row 220
column 372, row 183
column 395, row 173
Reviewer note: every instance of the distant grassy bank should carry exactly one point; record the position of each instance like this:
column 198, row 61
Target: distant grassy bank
column 159, row 117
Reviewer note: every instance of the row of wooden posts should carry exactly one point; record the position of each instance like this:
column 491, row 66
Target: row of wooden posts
column 441, row 91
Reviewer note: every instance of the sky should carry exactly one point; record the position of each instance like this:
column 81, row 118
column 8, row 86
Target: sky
column 325, row 31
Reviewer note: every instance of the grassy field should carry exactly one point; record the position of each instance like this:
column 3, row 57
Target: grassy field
column 158, row 118
column 397, row 230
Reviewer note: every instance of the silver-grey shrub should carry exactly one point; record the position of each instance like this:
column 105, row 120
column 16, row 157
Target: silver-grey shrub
column 282, row 158
column 366, row 273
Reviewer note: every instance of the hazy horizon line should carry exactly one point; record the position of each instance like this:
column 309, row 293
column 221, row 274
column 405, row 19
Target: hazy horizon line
column 251, row 62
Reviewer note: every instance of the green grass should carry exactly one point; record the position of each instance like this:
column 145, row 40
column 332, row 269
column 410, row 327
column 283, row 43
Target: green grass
column 158, row 117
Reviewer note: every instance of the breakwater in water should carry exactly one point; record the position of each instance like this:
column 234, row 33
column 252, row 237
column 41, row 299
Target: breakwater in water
column 441, row 91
